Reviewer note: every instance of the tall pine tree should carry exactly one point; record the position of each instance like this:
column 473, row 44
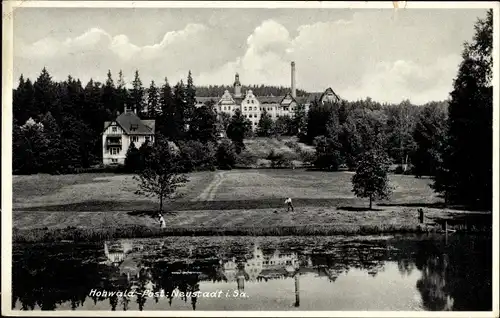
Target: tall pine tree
column 122, row 92
column 23, row 102
column 108, row 96
column 180, row 102
column 190, row 99
column 166, row 123
column 44, row 93
column 238, row 129
column 265, row 125
column 137, row 95
column 465, row 176
column 153, row 100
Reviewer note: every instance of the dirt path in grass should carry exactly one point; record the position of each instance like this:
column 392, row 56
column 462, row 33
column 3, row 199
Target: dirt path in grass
column 208, row 194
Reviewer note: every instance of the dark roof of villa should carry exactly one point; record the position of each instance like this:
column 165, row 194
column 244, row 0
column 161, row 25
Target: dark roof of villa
column 129, row 120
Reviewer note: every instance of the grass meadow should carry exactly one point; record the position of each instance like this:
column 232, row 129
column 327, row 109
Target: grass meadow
column 237, row 202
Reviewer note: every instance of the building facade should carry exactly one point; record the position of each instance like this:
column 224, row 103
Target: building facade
column 118, row 134
column 252, row 106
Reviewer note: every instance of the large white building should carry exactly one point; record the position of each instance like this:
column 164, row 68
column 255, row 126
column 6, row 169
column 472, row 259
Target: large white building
column 127, row 128
column 253, row 106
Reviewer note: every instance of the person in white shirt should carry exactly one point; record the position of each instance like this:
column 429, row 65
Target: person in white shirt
column 161, row 220
column 289, row 204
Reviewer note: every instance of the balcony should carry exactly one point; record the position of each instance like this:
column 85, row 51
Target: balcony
column 113, row 142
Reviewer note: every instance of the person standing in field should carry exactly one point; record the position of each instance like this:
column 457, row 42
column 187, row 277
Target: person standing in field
column 161, row 220
column 289, row 204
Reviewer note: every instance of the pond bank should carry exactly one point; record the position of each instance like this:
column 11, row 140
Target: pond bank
column 99, row 234
column 47, row 226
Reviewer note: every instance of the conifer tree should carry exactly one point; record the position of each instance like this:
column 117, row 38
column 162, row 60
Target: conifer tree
column 180, row 104
column 137, row 95
column 122, row 92
column 190, row 99
column 153, row 100
column 166, row 123
column 238, row 129
column 265, row 125
column 465, row 176
column 44, row 93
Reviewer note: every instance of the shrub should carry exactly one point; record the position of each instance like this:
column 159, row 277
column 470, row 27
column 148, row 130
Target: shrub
column 399, row 170
column 226, row 155
column 246, row 158
column 196, row 156
column 133, row 159
column 307, row 157
column 278, row 160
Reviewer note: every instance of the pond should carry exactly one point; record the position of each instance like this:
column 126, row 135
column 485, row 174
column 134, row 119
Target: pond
column 405, row 272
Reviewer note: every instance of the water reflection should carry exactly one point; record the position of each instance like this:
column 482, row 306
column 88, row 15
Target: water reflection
column 453, row 274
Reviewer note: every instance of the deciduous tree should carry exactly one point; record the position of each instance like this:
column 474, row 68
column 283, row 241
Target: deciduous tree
column 161, row 176
column 370, row 180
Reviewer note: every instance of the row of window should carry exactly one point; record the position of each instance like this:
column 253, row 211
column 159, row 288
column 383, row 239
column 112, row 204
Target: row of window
column 114, row 150
column 136, row 138
column 288, row 262
column 132, row 128
column 257, row 116
column 250, row 108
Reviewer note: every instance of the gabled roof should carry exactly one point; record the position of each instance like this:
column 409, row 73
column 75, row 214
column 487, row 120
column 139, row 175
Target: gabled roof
column 330, row 90
column 313, row 96
column 270, row 99
column 285, row 97
column 129, row 120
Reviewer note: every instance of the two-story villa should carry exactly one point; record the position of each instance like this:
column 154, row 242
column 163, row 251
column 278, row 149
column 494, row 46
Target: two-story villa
column 118, row 134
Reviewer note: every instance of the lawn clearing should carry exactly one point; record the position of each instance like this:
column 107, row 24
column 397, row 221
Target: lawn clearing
column 235, row 189
column 113, row 191
column 236, row 200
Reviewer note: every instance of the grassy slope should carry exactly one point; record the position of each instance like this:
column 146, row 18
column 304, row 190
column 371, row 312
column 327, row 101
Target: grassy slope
column 261, row 147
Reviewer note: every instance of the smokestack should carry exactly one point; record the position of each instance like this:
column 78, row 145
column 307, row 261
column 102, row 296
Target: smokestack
column 294, row 93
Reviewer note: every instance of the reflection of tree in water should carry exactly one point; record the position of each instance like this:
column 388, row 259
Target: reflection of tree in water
column 405, row 266
column 432, row 284
column 42, row 278
column 368, row 256
column 456, row 275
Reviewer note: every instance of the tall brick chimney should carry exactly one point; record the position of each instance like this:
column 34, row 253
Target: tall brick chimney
column 294, row 92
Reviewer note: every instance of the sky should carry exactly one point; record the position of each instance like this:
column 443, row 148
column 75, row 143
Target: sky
column 385, row 54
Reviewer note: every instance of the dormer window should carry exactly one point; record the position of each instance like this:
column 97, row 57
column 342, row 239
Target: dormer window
column 133, row 127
